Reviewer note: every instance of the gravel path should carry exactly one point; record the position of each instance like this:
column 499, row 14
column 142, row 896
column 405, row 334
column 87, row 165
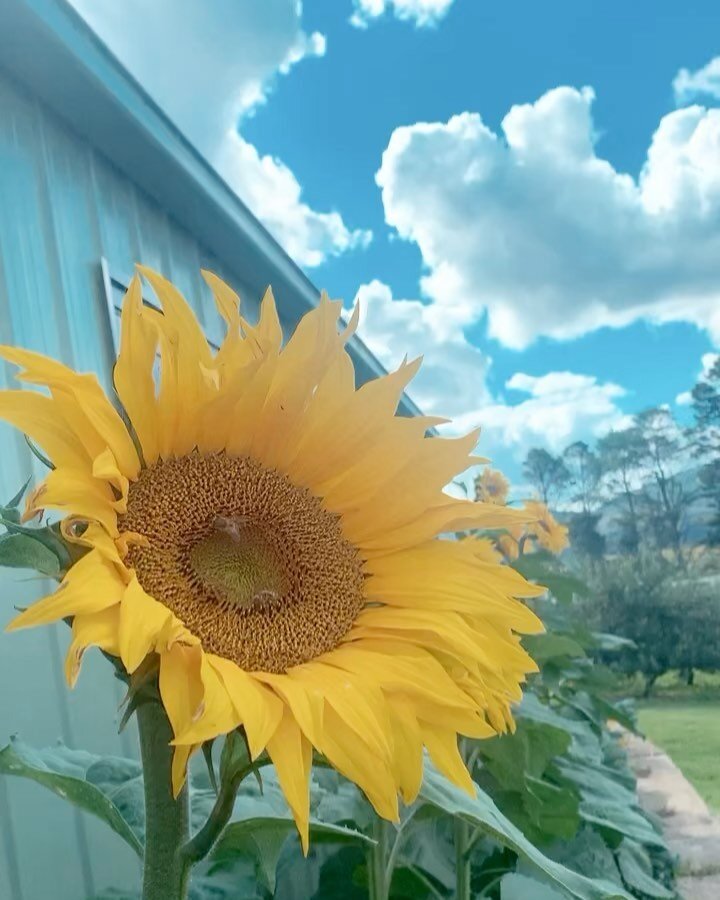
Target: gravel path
column 691, row 830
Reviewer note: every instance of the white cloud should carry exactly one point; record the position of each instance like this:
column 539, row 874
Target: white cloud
column 422, row 13
column 533, row 229
column 552, row 410
column 208, row 66
column 451, row 380
column 558, row 408
column 705, row 81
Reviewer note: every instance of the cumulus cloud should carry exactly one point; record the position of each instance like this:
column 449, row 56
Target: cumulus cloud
column 687, row 85
column 422, row 13
column 210, row 66
column 451, row 380
column 556, row 409
column 550, row 410
column 531, row 228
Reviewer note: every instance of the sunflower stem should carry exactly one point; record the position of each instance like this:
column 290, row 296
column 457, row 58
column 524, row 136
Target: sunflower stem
column 165, row 871
column 378, row 879
column 462, row 860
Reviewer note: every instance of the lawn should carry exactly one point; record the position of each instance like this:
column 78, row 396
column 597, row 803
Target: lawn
column 688, row 729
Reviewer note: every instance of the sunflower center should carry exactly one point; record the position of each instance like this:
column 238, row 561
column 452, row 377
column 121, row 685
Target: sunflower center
column 238, row 563
column 251, row 563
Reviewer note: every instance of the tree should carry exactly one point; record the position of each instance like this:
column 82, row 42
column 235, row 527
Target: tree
column 665, row 453
column 584, row 472
column 545, row 472
column 706, row 440
column 673, row 619
column 620, row 454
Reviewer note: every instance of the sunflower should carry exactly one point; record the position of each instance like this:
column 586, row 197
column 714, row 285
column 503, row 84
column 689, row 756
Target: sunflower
column 271, row 534
column 492, row 487
column 545, row 528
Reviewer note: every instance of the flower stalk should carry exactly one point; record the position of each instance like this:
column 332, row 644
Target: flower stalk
column 165, row 870
column 462, row 860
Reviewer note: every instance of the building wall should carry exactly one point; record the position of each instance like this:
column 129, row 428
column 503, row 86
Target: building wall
column 63, row 207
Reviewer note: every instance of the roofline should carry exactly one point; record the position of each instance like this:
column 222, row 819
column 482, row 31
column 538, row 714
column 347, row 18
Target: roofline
column 48, row 46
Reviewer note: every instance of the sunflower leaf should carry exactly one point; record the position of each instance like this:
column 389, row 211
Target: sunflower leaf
column 109, row 788
column 514, row 886
column 482, row 811
column 20, row 551
column 44, row 536
column 262, row 824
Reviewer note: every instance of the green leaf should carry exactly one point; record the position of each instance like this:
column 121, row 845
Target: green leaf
column 20, row 551
column 480, row 810
column 527, row 752
column 552, row 808
column 261, row 823
column 608, row 804
column 46, row 536
column 550, row 645
column 542, row 568
column 589, row 853
column 109, row 788
column 636, row 869
column 521, row 887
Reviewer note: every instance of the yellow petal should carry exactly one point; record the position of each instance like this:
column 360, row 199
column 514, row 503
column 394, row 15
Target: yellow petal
column 91, row 585
column 359, row 703
column 216, row 715
column 77, row 492
column 84, row 406
column 38, row 417
column 258, row 709
column 181, row 686
column 354, row 759
column 99, row 629
column 133, row 372
column 400, row 667
column 142, row 619
column 443, row 749
column 181, row 757
column 304, row 701
column 185, row 357
column 364, row 415
column 291, row 754
column 407, row 761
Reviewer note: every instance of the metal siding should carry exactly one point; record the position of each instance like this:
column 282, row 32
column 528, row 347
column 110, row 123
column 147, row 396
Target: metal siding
column 62, row 207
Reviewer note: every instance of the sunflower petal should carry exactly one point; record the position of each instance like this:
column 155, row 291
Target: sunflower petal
column 142, row 619
column 133, row 372
column 291, row 754
column 91, row 585
column 259, row 710
column 98, row 629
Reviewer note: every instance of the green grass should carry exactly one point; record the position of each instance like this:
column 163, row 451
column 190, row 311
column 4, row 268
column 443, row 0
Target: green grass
column 687, row 728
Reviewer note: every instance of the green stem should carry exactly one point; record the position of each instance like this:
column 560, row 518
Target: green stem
column 165, row 871
column 201, row 844
column 379, row 884
column 462, row 860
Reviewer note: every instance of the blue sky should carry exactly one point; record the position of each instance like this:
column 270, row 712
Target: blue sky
column 566, row 178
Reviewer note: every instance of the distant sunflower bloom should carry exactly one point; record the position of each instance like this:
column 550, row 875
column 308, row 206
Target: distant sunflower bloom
column 271, row 533
column 492, row 487
column 545, row 528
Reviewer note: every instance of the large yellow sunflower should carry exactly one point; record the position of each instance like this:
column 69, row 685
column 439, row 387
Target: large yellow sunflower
column 271, row 533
